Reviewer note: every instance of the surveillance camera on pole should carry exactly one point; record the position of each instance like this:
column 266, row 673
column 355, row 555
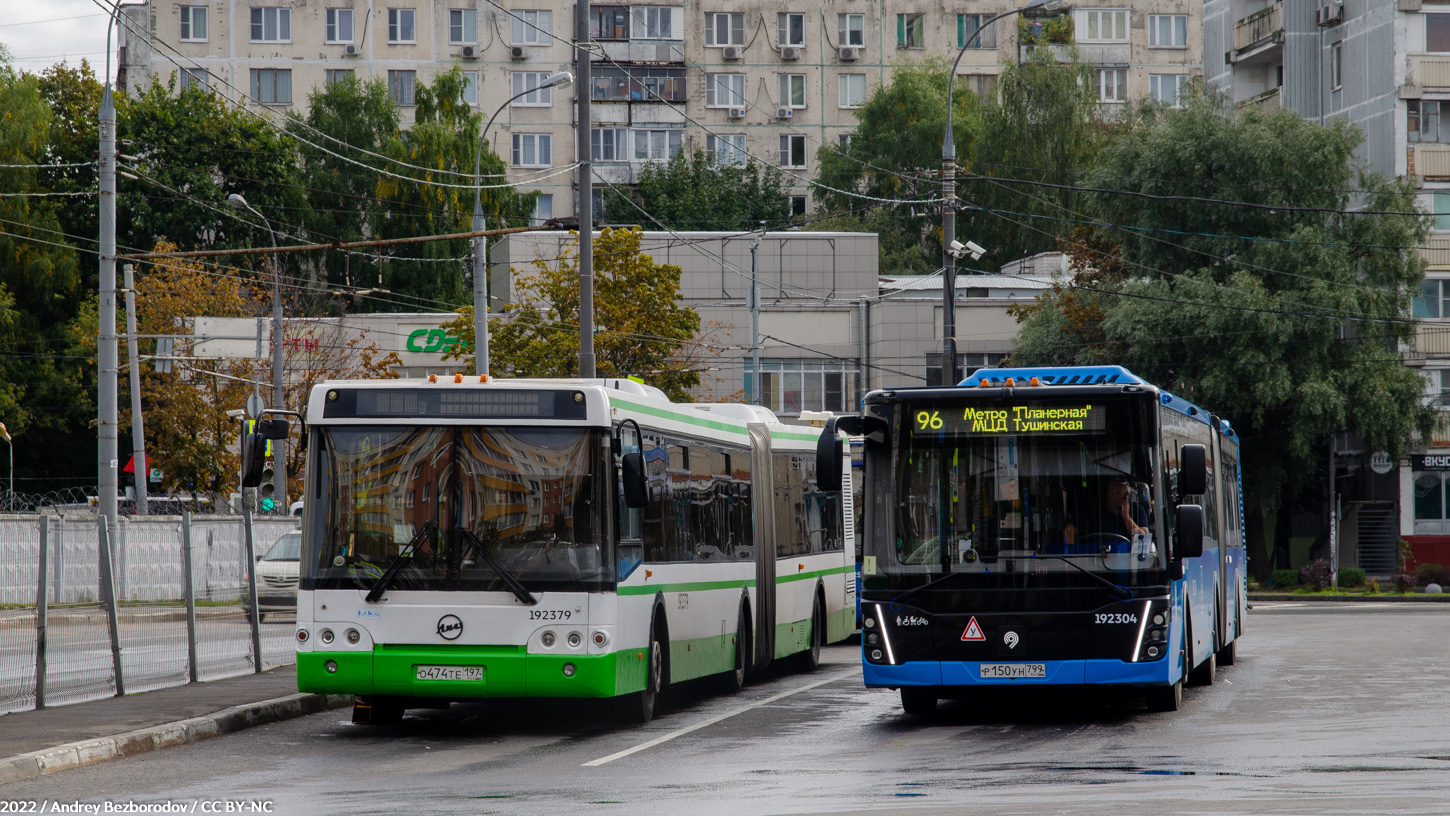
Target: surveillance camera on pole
column 959, row 250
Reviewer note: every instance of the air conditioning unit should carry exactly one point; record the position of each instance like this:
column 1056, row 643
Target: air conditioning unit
column 850, row 54
column 790, row 53
column 470, row 52
column 784, row 113
column 737, row 113
column 349, row 50
column 732, row 52
column 517, row 52
column 1328, row 15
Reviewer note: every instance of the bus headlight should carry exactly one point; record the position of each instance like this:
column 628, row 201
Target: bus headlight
column 568, row 669
column 574, row 640
column 325, row 636
column 547, row 639
column 869, row 623
column 875, row 654
column 331, row 666
column 353, row 636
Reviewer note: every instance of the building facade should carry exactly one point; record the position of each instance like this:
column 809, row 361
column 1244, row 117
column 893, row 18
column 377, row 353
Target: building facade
column 776, row 81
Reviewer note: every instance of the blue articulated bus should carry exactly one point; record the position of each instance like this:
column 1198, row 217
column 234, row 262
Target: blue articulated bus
column 1065, row 527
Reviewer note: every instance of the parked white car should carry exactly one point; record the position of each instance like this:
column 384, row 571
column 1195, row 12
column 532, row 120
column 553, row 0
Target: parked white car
column 277, row 577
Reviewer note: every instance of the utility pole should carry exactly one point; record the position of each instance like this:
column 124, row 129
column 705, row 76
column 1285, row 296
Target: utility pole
column 138, row 425
column 586, row 192
column 106, row 362
column 754, row 298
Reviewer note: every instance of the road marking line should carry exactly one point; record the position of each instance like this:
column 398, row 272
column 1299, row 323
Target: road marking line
column 718, row 718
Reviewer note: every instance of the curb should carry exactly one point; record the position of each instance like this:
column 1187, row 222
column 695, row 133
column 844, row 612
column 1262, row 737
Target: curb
column 155, row 738
column 1286, row 596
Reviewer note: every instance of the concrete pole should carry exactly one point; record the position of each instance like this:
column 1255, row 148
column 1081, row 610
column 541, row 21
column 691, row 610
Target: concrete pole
column 755, row 324
column 480, row 287
column 582, row 148
column 279, row 384
column 106, row 362
column 138, row 426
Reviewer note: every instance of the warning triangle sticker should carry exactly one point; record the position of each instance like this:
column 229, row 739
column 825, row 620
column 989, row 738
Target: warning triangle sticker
column 974, row 632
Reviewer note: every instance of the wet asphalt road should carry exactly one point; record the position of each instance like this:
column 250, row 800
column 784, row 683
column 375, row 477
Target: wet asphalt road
column 1331, row 709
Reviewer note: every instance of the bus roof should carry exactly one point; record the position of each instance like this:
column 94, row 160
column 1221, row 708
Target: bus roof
column 1090, row 375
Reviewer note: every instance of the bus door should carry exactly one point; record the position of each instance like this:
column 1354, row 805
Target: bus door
column 762, row 501
column 1225, row 553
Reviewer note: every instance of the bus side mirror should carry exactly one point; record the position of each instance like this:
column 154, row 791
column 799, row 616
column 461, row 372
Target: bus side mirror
column 1192, row 470
column 253, row 448
column 1190, row 531
column 636, row 489
column 828, row 461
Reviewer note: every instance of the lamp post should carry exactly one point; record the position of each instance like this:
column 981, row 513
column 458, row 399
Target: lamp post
column 278, row 386
column 480, row 244
column 1036, row 8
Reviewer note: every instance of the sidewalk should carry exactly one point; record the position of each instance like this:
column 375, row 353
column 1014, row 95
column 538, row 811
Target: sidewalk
column 1321, row 597
column 33, row 743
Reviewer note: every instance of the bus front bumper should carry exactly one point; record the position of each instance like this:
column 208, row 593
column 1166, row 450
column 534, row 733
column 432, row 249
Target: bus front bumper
column 505, row 672
column 1056, row 673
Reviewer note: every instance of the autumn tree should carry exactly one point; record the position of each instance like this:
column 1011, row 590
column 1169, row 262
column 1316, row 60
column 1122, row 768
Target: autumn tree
column 641, row 328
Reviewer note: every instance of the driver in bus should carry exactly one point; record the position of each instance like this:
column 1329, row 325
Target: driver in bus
column 1119, row 517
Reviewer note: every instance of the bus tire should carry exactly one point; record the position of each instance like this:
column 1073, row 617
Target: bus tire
column 377, row 710
column 810, row 659
column 1203, row 674
column 733, row 680
column 1165, row 698
column 641, row 705
column 1228, row 654
column 918, row 701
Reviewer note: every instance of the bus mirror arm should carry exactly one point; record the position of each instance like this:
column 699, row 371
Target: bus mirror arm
column 1189, row 539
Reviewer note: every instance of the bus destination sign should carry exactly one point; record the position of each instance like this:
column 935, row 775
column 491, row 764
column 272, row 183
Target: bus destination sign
column 1009, row 420
column 466, row 403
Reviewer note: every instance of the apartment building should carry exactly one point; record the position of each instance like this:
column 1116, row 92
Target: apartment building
column 775, row 81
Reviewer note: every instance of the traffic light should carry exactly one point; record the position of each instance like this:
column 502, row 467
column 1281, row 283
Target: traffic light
column 267, row 489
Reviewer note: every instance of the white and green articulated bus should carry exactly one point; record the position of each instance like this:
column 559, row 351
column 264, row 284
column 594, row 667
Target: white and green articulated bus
column 557, row 538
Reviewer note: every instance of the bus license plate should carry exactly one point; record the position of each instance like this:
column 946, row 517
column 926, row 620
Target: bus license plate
column 1012, row 671
column 450, row 672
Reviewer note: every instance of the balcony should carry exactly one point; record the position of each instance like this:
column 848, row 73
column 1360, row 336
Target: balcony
column 1266, row 102
column 1431, row 339
column 1430, row 161
column 1437, row 251
column 1429, row 71
column 1259, row 36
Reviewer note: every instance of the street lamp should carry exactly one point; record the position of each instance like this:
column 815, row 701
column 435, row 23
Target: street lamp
column 480, row 244
column 951, row 249
column 278, row 391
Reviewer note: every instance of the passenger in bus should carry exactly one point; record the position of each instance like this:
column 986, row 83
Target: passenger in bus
column 1118, row 519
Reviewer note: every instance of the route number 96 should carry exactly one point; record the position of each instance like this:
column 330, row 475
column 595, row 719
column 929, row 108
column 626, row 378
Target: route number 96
column 928, row 420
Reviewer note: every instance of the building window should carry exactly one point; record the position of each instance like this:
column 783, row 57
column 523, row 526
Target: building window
column 609, row 144
column 792, row 150
column 271, row 24
column 1102, row 25
column 724, row 29
column 1424, row 121
column 462, row 26
column 843, row 141
column 1112, row 84
column 797, row 204
column 1168, row 30
column 609, row 22
column 339, row 25
column 533, row 150
column 657, row 145
column 789, row 386
column 911, row 31
column 530, row 27
column 853, row 90
column 400, row 86
column 529, row 81
column 968, row 25
column 790, row 29
column 1440, row 209
column 1336, row 66
column 332, row 76
column 793, row 90
column 654, row 23
column 1166, row 88
column 272, row 86
column 193, row 23
column 967, row 362
column 724, row 90
column 851, row 30
column 470, row 87
column 983, row 85
column 194, row 76
column 727, row 149
column 401, row 28
column 1431, row 300
column 634, row 83
column 543, row 209
column 1437, row 32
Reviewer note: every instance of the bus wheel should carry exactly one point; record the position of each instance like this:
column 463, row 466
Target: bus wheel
column 642, row 704
column 810, row 659
column 734, row 679
column 1165, row 698
column 1228, row 654
column 376, row 711
column 918, row 702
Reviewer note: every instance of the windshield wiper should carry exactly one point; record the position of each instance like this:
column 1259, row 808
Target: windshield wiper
column 399, row 561
column 1122, row 593
column 508, row 578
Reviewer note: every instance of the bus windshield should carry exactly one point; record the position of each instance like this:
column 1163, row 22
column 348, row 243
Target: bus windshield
column 427, row 498
column 1009, row 480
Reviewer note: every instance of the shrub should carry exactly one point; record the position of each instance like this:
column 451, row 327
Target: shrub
column 1284, row 579
column 1426, row 574
column 1404, row 582
column 1351, row 577
column 1374, row 586
column 1316, row 574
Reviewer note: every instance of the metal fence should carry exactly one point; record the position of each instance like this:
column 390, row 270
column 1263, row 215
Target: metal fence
column 177, row 612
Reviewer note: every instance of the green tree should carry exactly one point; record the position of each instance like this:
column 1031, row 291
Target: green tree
column 694, row 192
column 641, row 328
column 1282, row 313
